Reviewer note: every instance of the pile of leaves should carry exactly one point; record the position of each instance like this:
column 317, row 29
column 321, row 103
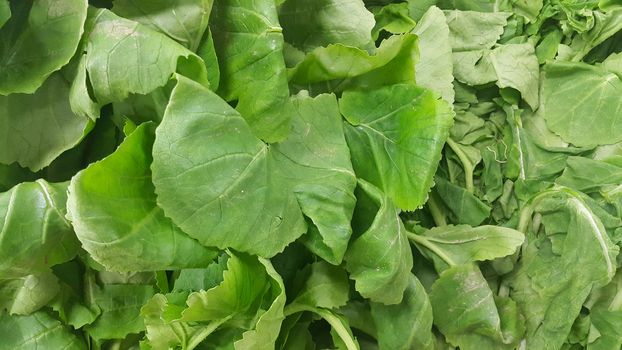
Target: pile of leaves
column 297, row 174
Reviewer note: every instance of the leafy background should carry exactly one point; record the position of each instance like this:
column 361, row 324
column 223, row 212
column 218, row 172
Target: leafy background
column 294, row 174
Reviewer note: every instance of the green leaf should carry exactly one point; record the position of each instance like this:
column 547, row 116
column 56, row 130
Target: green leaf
column 589, row 175
column 608, row 324
column 40, row 126
column 463, row 244
column 435, row 67
column 407, row 325
column 326, row 287
column 25, row 295
column 338, row 67
column 470, row 30
column 120, row 306
column 345, row 22
column 578, row 94
column 466, row 312
column 112, row 206
column 516, row 66
column 392, row 18
column 40, row 38
column 5, row 12
column 38, row 330
column 380, row 260
column 249, row 44
column 558, row 270
column 35, row 234
column 403, row 129
column 184, row 21
column 464, row 207
column 253, row 196
column 116, row 68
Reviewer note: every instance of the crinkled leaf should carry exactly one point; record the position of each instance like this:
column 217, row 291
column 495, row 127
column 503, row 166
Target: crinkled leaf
column 346, row 22
column 40, row 38
column 184, row 21
column 403, row 128
column 380, row 260
column 407, row 325
column 592, row 96
column 392, row 18
column 249, row 44
column 251, row 195
column 112, row 206
column 38, row 127
column 35, row 234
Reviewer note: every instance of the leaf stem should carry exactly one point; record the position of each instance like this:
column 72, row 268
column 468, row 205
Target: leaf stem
column 339, row 328
column 198, row 337
column 466, row 164
column 417, row 239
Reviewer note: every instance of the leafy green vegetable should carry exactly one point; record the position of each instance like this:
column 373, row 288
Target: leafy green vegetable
column 327, row 174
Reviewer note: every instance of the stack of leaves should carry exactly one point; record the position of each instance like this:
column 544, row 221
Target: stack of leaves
column 297, row 174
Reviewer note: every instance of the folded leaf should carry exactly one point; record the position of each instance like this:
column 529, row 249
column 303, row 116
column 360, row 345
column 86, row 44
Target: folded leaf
column 35, row 234
column 211, row 172
column 39, row 39
column 112, row 206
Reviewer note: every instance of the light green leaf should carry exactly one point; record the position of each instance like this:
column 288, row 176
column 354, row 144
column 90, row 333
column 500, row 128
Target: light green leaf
column 577, row 94
column 589, row 175
column 184, row 21
column 380, row 260
column 5, row 12
column 463, row 206
column 402, row 128
column 470, row 30
column 516, row 66
column 326, row 287
column 249, row 44
column 120, row 310
column 435, row 67
column 25, row 295
column 251, row 195
column 393, row 18
column 38, row 330
column 345, row 22
column 124, row 57
column 609, row 325
column 463, row 244
column 466, row 312
column 35, row 234
column 38, row 127
column 112, row 206
column 40, row 38
column 558, row 270
column 407, row 325
column 338, row 67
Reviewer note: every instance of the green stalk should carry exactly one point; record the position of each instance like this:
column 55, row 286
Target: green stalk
column 432, row 247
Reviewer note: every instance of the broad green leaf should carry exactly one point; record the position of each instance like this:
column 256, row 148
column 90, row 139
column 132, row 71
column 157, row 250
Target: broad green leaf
column 112, row 206
column 467, row 314
column 556, row 272
column 402, row 128
column 249, row 44
column 25, row 295
column 528, row 8
column 575, row 95
column 392, row 18
column 40, row 38
column 38, row 127
column 463, row 207
column 210, row 171
column 470, row 30
column 463, row 244
column 608, row 324
column 380, row 260
column 345, row 22
column 339, row 67
column 124, row 57
column 589, row 175
column 120, row 306
column 5, row 12
column 326, row 287
column 38, row 330
column 35, row 234
column 516, row 66
column 407, row 325
column 184, row 21
column 435, row 66
column 602, row 26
